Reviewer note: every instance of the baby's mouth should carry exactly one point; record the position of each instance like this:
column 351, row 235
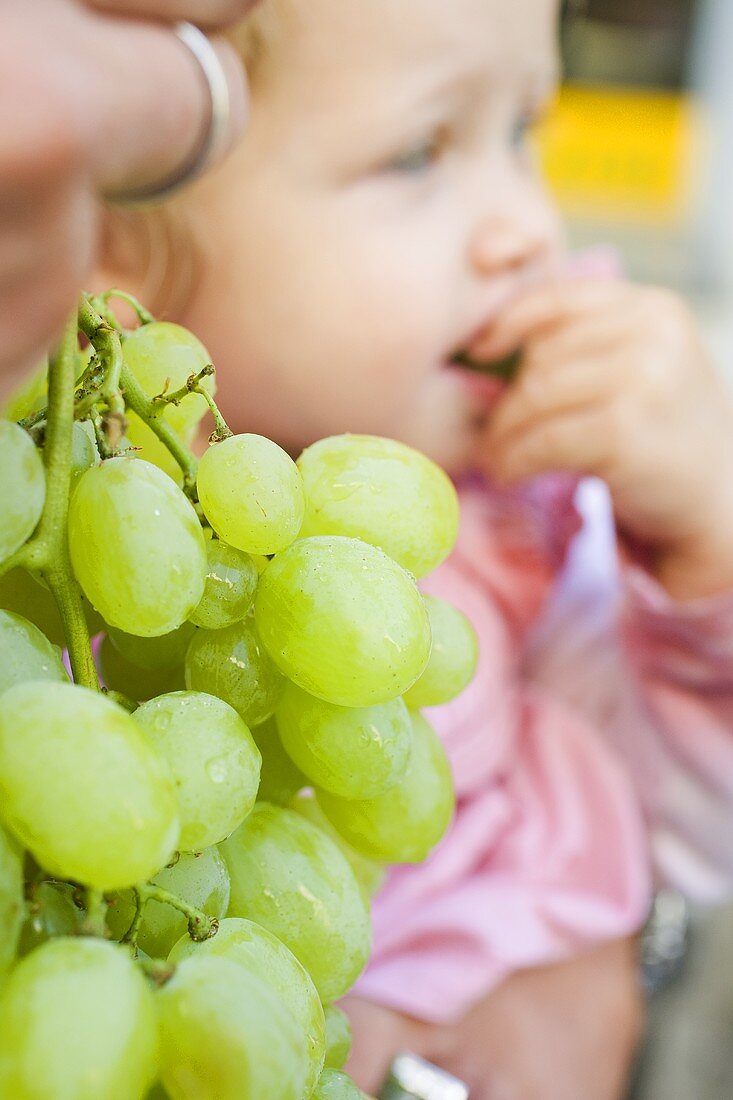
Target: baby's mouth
column 504, row 369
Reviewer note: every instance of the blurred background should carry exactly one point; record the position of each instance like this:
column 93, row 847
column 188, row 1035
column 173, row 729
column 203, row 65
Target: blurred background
column 638, row 146
column 638, row 150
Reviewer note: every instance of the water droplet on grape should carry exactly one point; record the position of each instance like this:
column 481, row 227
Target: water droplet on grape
column 217, row 769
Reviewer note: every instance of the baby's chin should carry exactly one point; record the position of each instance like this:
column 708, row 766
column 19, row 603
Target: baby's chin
column 443, row 417
column 448, row 417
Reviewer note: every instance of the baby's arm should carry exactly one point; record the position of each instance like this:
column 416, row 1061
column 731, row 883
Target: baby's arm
column 677, row 731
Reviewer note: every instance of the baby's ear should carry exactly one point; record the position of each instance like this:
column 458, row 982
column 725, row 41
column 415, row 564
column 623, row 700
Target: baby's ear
column 120, row 249
column 145, row 252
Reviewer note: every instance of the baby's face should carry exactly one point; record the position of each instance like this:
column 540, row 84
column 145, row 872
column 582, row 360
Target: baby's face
column 378, row 213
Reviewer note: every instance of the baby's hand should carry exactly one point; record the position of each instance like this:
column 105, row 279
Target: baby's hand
column 549, row 1033
column 615, row 382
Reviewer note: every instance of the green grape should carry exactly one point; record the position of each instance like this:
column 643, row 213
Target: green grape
column 226, row 1035
column 453, row 658
column 146, row 445
column 280, row 780
column 261, row 562
column 29, row 396
column 162, row 356
column 343, row 621
column 234, row 665
column 77, row 1022
column 402, row 825
column 134, row 682
column 382, row 492
column 157, row 1092
column 231, row 579
column 334, row 1085
column 289, row 877
column 354, row 752
column 32, row 393
column 136, row 547
column 369, row 873
column 251, row 493
column 24, row 598
column 81, row 788
column 21, row 592
column 95, row 622
column 11, row 900
column 22, row 489
column 50, row 912
column 199, row 878
column 338, row 1037
column 258, row 951
column 154, row 654
column 212, row 758
column 84, row 453
column 26, row 653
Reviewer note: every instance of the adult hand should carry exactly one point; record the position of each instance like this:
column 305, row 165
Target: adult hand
column 98, row 99
column 555, row 1032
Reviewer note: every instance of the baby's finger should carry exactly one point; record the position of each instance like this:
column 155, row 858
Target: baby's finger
column 574, row 442
column 592, row 337
column 204, row 13
column 539, row 394
column 544, row 309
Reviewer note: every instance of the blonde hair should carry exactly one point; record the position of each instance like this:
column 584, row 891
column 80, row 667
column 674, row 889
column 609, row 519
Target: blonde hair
column 256, row 36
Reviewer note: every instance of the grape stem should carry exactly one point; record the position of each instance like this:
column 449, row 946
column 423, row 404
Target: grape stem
column 105, row 379
column 103, row 338
column 146, row 409
column 158, row 970
column 103, row 446
column 96, row 906
column 107, row 344
column 47, row 550
column 200, row 925
column 222, row 430
column 144, row 315
column 33, row 419
column 131, row 934
column 51, row 535
column 193, row 385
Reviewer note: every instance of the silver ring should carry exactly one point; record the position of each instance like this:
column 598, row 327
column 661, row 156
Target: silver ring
column 216, row 128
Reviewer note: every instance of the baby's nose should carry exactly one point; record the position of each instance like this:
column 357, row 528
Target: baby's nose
column 503, row 244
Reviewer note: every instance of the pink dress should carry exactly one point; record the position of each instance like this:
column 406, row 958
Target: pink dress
column 592, row 754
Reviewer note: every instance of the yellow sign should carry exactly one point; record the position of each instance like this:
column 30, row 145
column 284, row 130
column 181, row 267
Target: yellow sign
column 622, row 154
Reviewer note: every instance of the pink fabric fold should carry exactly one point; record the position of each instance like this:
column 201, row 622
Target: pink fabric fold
column 598, row 702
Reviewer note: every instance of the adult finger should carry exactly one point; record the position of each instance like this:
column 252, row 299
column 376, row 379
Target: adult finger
column 38, row 291
column 210, row 14
column 129, row 93
column 155, row 104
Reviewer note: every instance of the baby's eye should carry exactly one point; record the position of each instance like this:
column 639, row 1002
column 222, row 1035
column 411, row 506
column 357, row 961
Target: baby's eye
column 521, row 130
column 418, row 159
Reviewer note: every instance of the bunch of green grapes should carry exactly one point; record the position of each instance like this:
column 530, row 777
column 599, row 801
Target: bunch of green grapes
column 194, row 817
